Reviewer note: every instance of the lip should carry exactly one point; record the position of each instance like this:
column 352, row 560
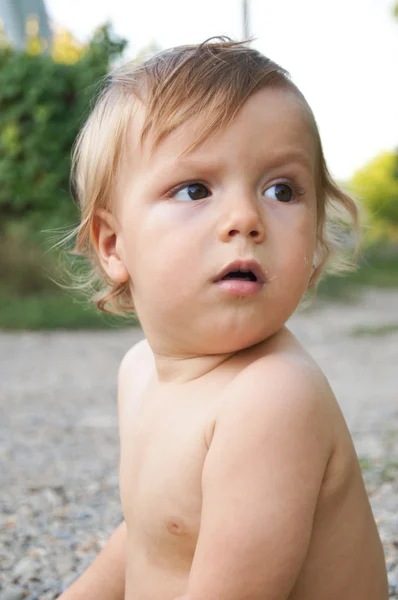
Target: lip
column 245, row 264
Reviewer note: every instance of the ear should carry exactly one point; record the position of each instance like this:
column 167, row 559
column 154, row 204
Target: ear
column 106, row 238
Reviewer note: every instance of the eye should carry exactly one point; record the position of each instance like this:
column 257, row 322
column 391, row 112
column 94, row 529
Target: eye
column 282, row 193
column 192, row 191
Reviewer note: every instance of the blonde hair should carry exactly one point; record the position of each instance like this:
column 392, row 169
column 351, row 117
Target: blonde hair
column 214, row 78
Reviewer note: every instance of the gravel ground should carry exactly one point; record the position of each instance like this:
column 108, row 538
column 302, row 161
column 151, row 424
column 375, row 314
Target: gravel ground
column 59, row 442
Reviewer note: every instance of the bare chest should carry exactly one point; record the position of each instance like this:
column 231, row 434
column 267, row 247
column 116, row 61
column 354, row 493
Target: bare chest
column 163, row 451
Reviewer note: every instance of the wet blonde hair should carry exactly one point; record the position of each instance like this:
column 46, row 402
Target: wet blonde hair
column 212, row 79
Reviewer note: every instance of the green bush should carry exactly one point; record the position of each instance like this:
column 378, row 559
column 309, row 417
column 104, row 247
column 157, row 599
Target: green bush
column 42, row 107
column 376, row 186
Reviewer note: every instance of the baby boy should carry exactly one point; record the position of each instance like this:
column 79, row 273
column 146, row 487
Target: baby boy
column 206, row 206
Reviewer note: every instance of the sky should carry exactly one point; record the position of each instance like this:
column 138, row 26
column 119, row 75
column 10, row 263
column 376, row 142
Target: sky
column 342, row 54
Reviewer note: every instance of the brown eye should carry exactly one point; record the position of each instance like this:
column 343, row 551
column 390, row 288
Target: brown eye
column 282, row 193
column 192, row 191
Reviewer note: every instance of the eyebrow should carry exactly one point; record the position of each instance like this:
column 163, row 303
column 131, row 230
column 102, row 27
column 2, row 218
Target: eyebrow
column 275, row 161
column 292, row 157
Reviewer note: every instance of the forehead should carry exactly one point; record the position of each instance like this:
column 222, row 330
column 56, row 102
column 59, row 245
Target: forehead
column 272, row 123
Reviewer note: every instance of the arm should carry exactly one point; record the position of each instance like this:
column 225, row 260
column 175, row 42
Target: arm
column 260, row 484
column 104, row 579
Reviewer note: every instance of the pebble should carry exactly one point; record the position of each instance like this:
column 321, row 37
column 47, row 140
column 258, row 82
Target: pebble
column 26, row 568
column 14, row 593
column 64, row 564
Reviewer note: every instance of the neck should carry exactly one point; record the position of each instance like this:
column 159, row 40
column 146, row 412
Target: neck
column 180, row 367
column 186, row 368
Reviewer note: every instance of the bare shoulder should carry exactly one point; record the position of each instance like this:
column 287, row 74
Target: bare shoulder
column 137, row 357
column 284, row 392
column 134, row 373
column 287, row 380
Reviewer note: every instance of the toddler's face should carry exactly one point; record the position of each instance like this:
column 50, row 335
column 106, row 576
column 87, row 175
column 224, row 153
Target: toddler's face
column 247, row 193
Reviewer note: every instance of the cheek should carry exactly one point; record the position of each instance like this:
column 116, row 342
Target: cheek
column 162, row 257
column 298, row 232
column 295, row 254
column 307, row 231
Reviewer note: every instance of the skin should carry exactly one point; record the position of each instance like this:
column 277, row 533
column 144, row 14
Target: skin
column 240, row 219
column 238, row 474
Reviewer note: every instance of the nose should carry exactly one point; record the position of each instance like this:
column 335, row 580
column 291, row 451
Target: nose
column 241, row 215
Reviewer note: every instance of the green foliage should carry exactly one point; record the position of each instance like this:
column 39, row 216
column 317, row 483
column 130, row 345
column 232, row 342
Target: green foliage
column 54, row 310
column 374, row 330
column 30, row 298
column 42, row 107
column 24, row 267
column 376, row 186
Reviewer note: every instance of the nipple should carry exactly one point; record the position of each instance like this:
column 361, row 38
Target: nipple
column 176, row 526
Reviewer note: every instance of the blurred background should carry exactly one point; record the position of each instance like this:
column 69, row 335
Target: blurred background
column 59, row 444
column 341, row 54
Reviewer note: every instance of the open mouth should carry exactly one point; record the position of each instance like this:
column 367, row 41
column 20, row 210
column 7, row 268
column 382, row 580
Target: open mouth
column 242, row 270
column 241, row 274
